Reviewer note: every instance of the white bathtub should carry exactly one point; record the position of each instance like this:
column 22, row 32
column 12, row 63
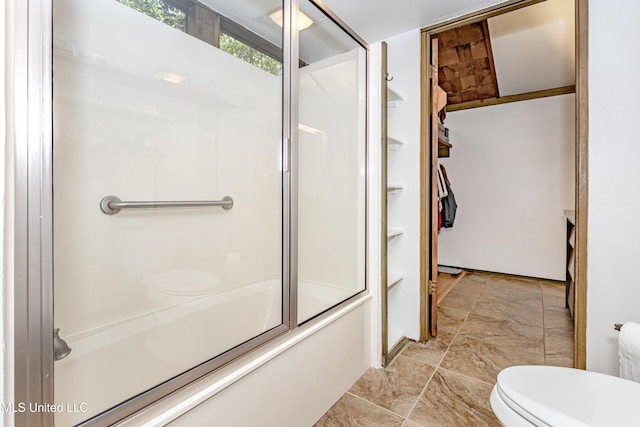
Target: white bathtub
column 114, row 363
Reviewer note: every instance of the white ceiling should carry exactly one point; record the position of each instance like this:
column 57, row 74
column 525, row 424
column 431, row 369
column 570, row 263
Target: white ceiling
column 375, row 20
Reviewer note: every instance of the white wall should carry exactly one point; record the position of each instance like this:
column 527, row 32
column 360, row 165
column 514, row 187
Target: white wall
column 403, row 167
column 613, row 287
column 3, row 148
column 512, row 173
column 14, row 99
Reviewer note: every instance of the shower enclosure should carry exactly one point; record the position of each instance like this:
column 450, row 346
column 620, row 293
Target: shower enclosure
column 209, row 181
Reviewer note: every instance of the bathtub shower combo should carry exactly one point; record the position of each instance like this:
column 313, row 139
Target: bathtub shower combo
column 209, row 168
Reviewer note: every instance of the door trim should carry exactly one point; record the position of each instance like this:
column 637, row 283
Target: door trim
column 581, row 148
column 384, row 252
column 433, row 191
column 582, row 182
column 425, row 187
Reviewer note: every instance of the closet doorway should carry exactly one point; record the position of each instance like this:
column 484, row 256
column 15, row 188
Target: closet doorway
column 517, row 163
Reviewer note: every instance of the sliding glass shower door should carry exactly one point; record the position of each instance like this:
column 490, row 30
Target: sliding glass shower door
column 168, row 191
column 332, row 164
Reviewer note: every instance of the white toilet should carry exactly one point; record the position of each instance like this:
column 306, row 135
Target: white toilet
column 554, row 396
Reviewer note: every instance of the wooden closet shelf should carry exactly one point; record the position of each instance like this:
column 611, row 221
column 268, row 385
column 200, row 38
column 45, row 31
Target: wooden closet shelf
column 443, row 148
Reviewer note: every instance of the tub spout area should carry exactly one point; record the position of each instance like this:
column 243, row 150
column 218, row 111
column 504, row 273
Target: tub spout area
column 60, row 348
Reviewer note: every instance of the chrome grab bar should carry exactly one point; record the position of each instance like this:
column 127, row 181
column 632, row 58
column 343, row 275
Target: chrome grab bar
column 111, row 205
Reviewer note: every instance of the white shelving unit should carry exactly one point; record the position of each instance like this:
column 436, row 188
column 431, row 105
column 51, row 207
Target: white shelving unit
column 394, row 98
column 394, row 188
column 394, row 144
column 394, row 279
column 400, row 215
column 393, row 233
column 395, row 196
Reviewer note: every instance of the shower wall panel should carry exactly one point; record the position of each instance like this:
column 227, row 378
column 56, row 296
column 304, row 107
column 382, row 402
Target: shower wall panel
column 123, row 127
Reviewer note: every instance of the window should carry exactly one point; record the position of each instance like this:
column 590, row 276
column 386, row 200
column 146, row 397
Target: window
column 213, row 28
column 249, row 54
column 158, row 9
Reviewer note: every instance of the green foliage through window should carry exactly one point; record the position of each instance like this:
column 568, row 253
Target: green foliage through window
column 159, row 10
column 249, row 54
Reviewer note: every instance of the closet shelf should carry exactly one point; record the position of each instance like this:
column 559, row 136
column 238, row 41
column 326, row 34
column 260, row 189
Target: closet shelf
column 394, row 188
column 394, row 232
column 572, row 238
column 571, row 216
column 393, row 98
column 394, row 279
column 394, row 144
column 443, row 148
column 571, row 259
column 571, row 268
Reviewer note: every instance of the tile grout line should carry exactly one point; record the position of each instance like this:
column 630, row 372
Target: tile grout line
column 445, row 353
column 378, row 406
column 544, row 328
column 405, row 418
column 467, row 376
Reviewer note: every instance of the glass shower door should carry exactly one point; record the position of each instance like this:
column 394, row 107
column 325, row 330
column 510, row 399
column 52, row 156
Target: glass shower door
column 332, row 164
column 157, row 102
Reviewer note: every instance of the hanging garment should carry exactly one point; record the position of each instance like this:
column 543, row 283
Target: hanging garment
column 442, row 184
column 442, row 188
column 444, row 174
column 449, row 205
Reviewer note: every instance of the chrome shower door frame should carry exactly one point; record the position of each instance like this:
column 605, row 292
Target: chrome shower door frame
column 30, row 129
column 30, row 136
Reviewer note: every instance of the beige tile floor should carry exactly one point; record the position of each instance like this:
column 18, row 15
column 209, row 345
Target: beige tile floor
column 486, row 323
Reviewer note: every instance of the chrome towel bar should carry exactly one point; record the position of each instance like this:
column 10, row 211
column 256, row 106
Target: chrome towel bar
column 111, row 205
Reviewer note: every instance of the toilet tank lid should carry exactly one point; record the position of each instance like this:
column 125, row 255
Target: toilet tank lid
column 570, row 397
